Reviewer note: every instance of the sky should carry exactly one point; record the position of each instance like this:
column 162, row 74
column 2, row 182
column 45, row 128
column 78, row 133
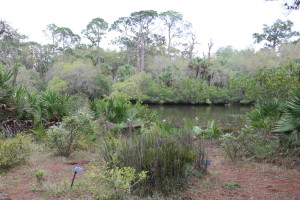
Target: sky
column 226, row 22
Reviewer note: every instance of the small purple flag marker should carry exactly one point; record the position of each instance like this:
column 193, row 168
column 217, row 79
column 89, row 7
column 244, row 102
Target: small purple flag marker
column 76, row 170
column 205, row 162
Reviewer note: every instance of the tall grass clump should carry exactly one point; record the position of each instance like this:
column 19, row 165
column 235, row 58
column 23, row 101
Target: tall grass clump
column 167, row 159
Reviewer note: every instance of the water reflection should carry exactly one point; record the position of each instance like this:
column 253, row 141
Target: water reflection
column 223, row 115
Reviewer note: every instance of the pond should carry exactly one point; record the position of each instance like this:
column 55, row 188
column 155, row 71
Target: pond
column 223, row 115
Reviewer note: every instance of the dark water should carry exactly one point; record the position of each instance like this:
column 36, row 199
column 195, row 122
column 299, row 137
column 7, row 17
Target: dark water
column 223, row 115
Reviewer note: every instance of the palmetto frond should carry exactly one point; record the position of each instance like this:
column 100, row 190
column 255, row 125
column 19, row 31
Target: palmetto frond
column 290, row 122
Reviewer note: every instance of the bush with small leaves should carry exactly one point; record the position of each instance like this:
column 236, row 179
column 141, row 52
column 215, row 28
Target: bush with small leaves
column 14, row 151
column 118, row 181
column 248, row 146
column 71, row 133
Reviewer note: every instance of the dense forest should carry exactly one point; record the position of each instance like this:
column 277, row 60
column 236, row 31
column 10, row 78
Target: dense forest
column 73, row 103
column 157, row 62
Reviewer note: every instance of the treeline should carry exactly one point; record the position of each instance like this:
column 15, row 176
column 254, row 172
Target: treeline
column 156, row 63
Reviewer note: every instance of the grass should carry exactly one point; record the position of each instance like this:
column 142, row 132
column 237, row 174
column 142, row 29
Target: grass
column 231, row 185
column 20, row 180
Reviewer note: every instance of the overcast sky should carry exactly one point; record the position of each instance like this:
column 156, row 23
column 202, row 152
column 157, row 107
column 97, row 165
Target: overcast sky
column 227, row 22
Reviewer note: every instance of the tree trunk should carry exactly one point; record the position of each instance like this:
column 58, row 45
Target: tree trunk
column 142, row 57
column 63, row 50
column 138, row 67
column 169, row 43
column 210, row 45
column 142, row 60
column 197, row 72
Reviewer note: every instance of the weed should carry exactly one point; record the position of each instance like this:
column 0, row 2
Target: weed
column 231, row 185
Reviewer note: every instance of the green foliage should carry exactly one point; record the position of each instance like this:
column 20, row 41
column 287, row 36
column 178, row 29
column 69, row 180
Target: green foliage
column 5, row 77
column 79, row 76
column 72, row 133
column 167, row 75
column 118, row 181
column 54, row 105
column 167, row 158
column 119, row 110
column 265, row 115
column 103, row 84
column 39, row 175
column 267, row 85
column 124, row 72
column 78, row 102
column 200, row 66
column 239, row 87
column 275, row 84
column 231, row 146
column 95, row 30
column 289, row 124
column 231, row 185
column 212, row 131
column 34, row 102
column 142, row 113
column 279, row 32
column 191, row 90
column 39, row 132
column 6, row 89
column 132, row 87
column 115, row 109
column 14, row 151
column 155, row 92
column 248, row 146
column 56, row 84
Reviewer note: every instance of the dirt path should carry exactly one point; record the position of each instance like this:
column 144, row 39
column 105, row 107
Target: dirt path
column 19, row 183
column 224, row 180
column 245, row 181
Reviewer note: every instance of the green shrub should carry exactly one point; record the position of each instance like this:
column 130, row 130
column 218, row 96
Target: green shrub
column 168, row 159
column 249, row 146
column 71, row 133
column 118, row 110
column 289, row 124
column 231, row 147
column 6, row 87
column 14, row 151
column 39, row 176
column 265, row 115
column 142, row 112
column 118, row 181
column 54, row 105
column 212, row 131
column 39, row 132
column 115, row 109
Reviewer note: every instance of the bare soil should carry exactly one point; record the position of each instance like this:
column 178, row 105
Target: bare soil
column 247, row 180
column 225, row 180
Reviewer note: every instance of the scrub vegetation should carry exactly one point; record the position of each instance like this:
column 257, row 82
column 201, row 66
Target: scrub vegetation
column 69, row 103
